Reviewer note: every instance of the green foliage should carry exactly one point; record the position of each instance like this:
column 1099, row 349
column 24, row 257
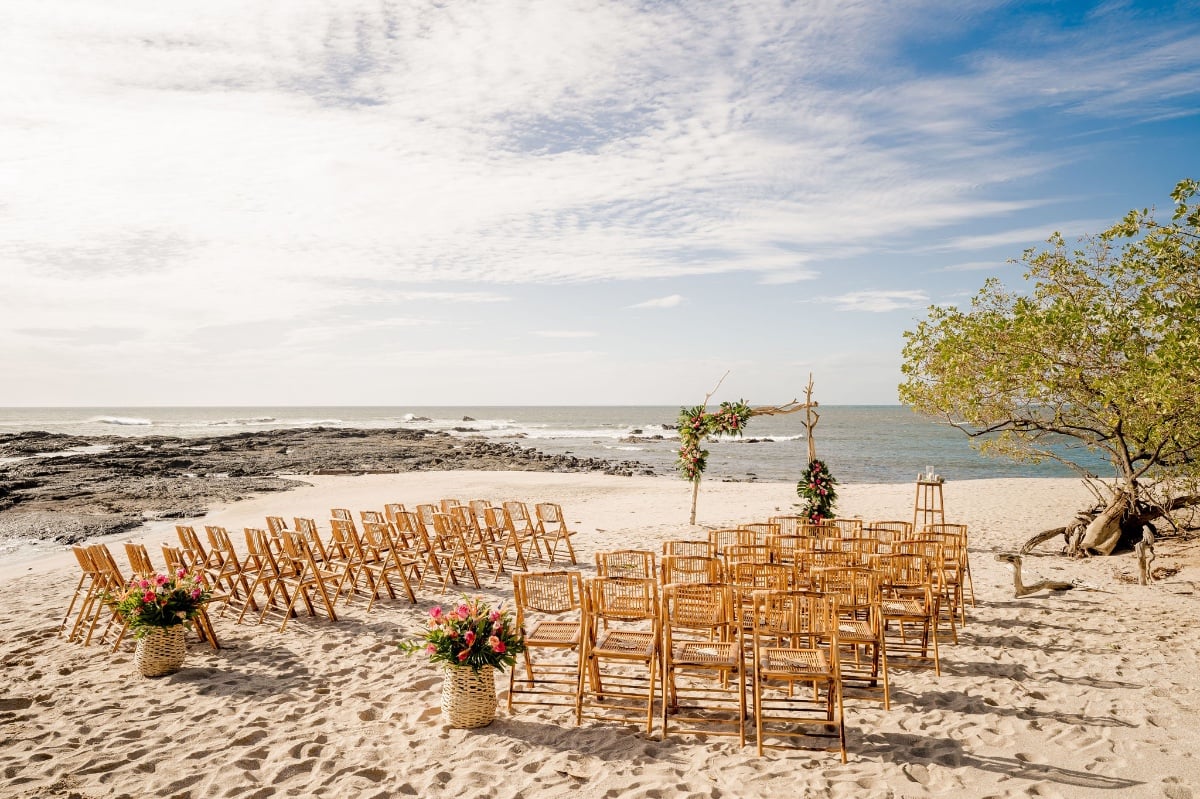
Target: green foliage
column 159, row 601
column 1102, row 345
column 470, row 634
column 816, row 488
column 696, row 424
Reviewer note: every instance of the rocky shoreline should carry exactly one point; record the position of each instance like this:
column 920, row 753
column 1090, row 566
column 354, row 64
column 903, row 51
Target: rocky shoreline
column 68, row 488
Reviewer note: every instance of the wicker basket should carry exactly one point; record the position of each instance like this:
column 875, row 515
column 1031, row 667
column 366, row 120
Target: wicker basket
column 469, row 697
column 161, row 651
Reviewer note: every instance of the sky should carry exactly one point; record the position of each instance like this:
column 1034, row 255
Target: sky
column 543, row 203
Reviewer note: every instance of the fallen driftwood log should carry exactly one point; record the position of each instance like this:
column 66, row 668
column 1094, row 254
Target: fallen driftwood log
column 1019, row 587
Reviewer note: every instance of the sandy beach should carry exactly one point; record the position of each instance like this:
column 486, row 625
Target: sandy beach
column 1091, row 692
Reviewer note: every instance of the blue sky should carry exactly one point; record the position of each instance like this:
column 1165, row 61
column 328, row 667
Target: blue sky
column 559, row 202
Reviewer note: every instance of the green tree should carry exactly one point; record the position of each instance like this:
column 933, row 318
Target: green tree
column 1099, row 349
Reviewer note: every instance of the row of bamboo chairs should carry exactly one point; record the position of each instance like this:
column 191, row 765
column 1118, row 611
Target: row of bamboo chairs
column 607, row 646
column 395, row 551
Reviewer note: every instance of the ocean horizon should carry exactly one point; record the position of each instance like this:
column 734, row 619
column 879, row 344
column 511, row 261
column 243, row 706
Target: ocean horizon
column 860, row 443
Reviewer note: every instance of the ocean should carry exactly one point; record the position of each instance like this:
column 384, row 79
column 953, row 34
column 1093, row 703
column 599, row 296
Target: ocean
column 860, row 443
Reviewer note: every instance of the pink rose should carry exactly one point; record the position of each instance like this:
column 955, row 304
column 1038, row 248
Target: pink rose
column 496, row 644
column 463, row 611
column 469, row 638
column 160, row 579
column 143, row 584
column 148, row 596
column 430, row 648
column 181, row 574
column 494, row 616
column 436, row 612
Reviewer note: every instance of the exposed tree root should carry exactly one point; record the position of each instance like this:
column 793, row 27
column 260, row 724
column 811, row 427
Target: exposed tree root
column 1019, row 587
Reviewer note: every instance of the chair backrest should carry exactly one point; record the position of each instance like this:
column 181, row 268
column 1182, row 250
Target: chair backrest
column 761, row 576
column 519, row 513
column 341, row 513
column 372, row 516
column 727, row 537
column 85, row 562
column 903, row 528
column 791, row 548
column 425, row 513
column 175, row 559
column 393, row 509
column 218, row 538
column 554, row 592
column 193, row 550
column 641, row 563
column 789, row 525
column 106, row 565
column 849, row 527
column 762, row 530
column 692, row 569
column 705, row 549
column 800, row 617
column 822, row 531
column 306, row 526
column 139, row 560
column 856, row 587
column 447, row 504
column 697, row 608
column 628, row 599
column 747, row 553
column 276, row 525
column 551, row 516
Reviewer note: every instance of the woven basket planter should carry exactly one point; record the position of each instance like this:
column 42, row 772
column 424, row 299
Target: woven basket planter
column 161, row 651
column 469, row 697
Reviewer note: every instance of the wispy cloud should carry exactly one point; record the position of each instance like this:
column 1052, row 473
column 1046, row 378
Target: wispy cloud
column 1028, row 236
column 880, row 301
column 669, row 301
column 565, row 333
column 973, row 266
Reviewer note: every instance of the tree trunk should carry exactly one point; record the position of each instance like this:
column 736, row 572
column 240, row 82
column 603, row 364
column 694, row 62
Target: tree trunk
column 1101, row 530
column 1104, row 532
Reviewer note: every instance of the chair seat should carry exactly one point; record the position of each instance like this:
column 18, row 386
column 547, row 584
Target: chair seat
column 895, row 608
column 800, row 663
column 856, row 632
column 554, row 633
column 625, row 644
column 717, row 654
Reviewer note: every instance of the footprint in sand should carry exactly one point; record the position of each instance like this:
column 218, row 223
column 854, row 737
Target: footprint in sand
column 1173, row 788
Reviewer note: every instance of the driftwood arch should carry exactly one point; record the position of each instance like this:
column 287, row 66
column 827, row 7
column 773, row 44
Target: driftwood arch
column 696, row 424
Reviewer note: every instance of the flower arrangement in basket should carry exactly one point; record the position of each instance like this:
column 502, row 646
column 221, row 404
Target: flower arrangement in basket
column 816, row 487
column 161, row 601
column 471, row 634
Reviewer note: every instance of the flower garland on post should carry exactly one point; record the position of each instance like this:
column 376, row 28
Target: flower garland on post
column 695, row 425
column 816, row 488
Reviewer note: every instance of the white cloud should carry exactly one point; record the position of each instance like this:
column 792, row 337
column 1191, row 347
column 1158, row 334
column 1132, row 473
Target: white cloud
column 973, row 266
column 565, row 333
column 669, row 301
column 880, row 301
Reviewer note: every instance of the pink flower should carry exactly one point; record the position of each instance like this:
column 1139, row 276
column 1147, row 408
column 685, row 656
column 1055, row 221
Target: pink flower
column 494, row 616
column 463, row 655
column 160, row 579
column 148, row 596
column 195, row 593
column 496, row 644
column 181, row 574
column 463, row 611
column 436, row 612
column 430, row 648
column 469, row 638
column 143, row 584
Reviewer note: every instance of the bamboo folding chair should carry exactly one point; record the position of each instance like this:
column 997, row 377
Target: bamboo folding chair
column 691, row 569
column 821, row 531
column 139, row 560
column 556, row 597
column 958, row 560
column 910, row 595
column 276, row 525
column 525, row 525
column 724, row 538
column 791, row 549
column 704, row 671
column 196, row 558
column 446, row 504
column 341, row 513
column 513, row 539
column 762, row 530
column 796, row 640
column 301, row 573
column 552, row 530
column 232, row 573
column 950, row 592
column 493, row 551
column 114, row 582
column 176, row 559
column 261, row 562
column 92, row 583
column 451, row 553
column 641, row 563
column 620, row 657
column 410, row 526
column 860, row 624
column 701, row 548
column 384, row 562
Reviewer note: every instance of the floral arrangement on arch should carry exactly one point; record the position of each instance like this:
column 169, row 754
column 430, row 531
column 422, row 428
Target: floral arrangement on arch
column 151, row 603
column 696, row 424
column 816, row 488
column 470, row 634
